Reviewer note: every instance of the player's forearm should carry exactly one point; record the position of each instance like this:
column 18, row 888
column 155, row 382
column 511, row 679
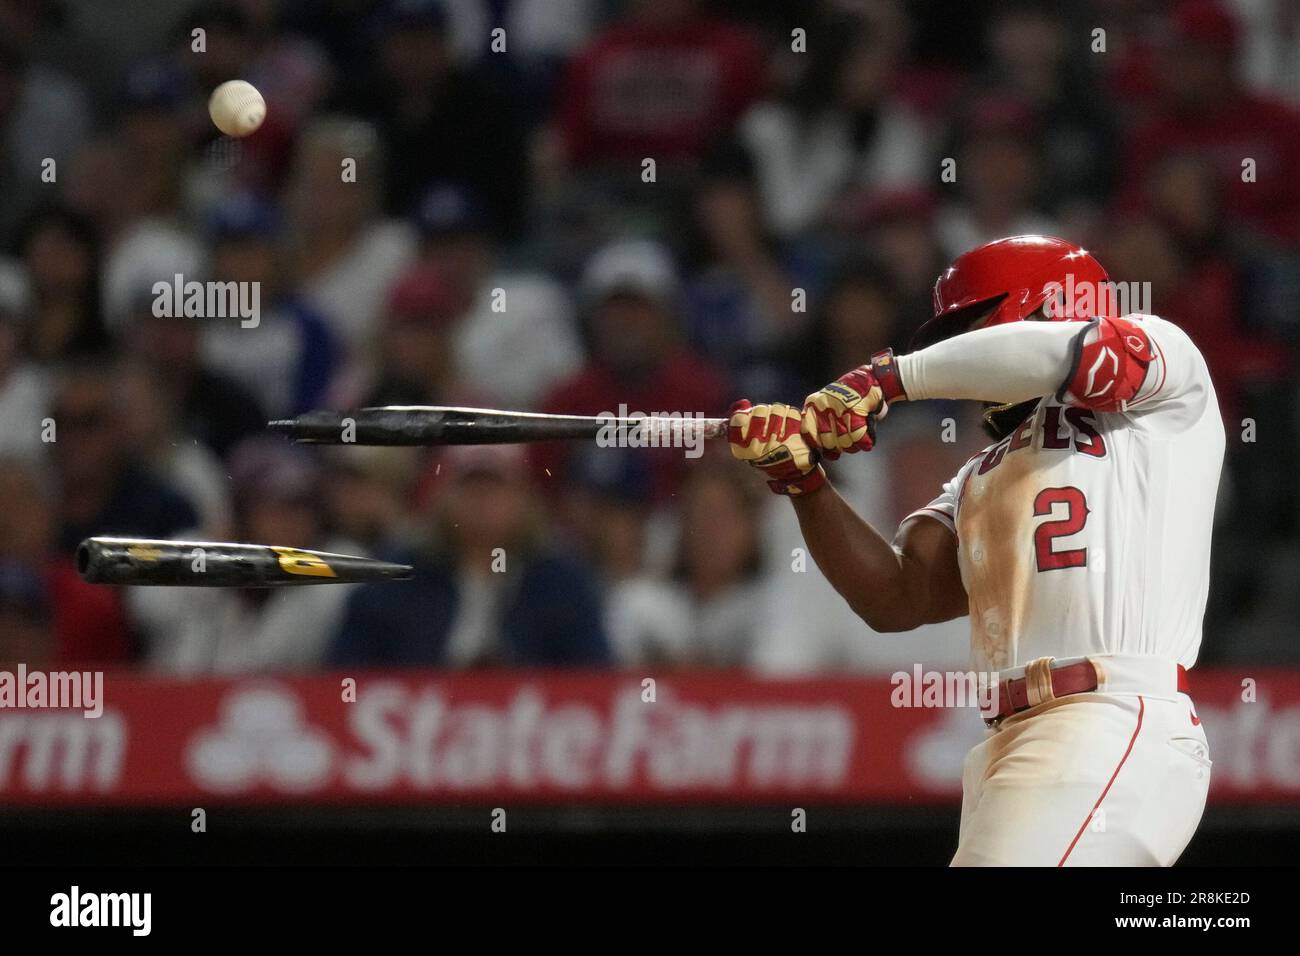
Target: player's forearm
column 859, row 563
column 1007, row 363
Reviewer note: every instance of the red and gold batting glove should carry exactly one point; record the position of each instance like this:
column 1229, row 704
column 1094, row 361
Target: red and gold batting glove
column 770, row 438
column 842, row 416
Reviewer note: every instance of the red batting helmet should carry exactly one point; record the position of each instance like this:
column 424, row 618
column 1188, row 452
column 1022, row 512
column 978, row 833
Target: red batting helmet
column 1013, row 277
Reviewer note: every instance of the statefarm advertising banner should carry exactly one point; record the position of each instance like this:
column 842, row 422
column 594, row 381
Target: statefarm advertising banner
column 420, row 737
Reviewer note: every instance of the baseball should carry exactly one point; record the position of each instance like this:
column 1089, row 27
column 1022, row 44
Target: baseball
column 237, row 108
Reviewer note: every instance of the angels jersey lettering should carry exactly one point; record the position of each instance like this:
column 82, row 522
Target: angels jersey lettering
column 1086, row 531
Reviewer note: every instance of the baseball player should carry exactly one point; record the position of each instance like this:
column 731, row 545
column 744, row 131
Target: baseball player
column 1078, row 543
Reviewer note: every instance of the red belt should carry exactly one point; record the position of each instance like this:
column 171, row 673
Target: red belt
column 1077, row 678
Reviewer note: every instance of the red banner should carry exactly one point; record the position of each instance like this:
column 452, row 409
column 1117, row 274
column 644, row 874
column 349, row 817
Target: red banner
column 419, row 737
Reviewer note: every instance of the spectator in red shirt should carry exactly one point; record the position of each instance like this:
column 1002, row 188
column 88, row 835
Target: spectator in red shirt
column 1205, row 109
column 47, row 613
column 658, row 84
column 637, row 359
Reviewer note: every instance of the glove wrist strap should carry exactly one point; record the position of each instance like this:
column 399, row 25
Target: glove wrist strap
column 803, row 485
column 885, row 368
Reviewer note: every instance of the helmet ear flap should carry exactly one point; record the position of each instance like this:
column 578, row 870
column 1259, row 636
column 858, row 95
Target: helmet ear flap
column 1001, row 420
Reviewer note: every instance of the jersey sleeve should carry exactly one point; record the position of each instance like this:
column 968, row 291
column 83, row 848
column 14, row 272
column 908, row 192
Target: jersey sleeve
column 1137, row 365
column 943, row 508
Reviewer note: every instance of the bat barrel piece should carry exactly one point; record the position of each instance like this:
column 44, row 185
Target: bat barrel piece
column 143, row 561
column 441, row 425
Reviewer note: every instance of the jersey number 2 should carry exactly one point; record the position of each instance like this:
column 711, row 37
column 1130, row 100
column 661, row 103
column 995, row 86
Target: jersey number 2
column 1076, row 516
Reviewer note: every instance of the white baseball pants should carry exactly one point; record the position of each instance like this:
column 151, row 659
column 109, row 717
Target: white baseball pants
column 1097, row 779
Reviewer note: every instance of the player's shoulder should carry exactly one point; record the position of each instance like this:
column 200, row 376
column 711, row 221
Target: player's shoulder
column 959, row 479
column 1164, row 332
column 1178, row 377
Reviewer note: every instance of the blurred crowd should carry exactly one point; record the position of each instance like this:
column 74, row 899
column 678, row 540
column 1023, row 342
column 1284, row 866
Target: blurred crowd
column 572, row 206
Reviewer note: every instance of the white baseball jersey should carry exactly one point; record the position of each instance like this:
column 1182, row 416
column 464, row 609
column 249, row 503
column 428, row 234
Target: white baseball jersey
column 1087, row 532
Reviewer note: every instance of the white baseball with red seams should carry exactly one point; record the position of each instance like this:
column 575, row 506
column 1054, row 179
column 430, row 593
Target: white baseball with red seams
column 237, row 108
column 1085, row 533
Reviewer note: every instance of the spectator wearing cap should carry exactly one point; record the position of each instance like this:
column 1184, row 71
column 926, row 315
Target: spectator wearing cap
column 637, row 358
column 23, row 384
column 289, row 357
column 488, row 591
column 608, row 515
column 414, row 361
column 139, row 201
column 518, row 335
column 439, row 119
column 343, row 255
column 543, row 37
column 998, row 188
column 1204, row 109
column 189, row 631
column 103, row 487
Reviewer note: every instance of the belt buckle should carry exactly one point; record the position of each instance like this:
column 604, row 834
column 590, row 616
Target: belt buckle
column 1037, row 681
column 992, row 723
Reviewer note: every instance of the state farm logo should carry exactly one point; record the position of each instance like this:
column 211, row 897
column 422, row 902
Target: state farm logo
column 421, row 739
column 262, row 739
column 424, row 740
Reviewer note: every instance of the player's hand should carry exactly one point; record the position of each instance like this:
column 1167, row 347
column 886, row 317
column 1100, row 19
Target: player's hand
column 770, row 438
column 842, row 416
